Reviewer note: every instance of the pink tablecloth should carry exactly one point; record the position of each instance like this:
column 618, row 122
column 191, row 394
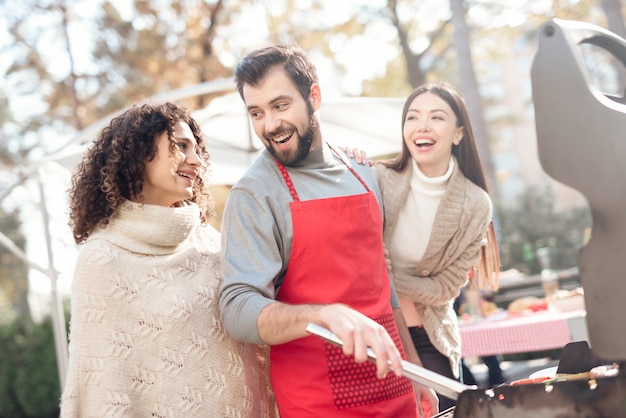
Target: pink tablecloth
column 543, row 330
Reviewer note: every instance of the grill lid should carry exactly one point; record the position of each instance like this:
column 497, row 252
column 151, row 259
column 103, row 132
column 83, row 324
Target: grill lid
column 580, row 139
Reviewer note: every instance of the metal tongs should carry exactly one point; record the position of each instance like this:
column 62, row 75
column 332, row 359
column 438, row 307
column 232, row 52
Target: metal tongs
column 439, row 383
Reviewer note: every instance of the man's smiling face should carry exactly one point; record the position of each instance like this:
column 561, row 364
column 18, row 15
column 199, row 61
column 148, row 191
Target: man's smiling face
column 281, row 118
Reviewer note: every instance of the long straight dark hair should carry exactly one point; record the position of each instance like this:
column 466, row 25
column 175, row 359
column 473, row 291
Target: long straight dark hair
column 468, row 161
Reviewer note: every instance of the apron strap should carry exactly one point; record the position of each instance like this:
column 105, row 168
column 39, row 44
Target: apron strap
column 292, row 189
column 347, row 164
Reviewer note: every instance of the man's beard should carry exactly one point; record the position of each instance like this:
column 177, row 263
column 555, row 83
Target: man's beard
column 291, row 157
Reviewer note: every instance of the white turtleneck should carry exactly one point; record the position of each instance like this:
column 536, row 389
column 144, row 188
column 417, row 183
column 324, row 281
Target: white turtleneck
column 415, row 221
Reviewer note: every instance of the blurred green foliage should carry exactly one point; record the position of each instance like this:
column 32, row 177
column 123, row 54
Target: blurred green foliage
column 533, row 222
column 14, row 285
column 29, row 380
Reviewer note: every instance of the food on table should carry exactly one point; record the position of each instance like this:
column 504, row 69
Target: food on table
column 527, row 303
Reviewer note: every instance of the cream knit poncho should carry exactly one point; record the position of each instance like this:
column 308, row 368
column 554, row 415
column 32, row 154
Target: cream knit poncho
column 145, row 334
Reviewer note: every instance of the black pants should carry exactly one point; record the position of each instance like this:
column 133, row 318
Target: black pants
column 432, row 360
column 496, row 377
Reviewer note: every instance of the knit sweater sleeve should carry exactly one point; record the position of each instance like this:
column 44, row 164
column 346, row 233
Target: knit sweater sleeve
column 252, row 260
column 452, row 251
column 439, row 288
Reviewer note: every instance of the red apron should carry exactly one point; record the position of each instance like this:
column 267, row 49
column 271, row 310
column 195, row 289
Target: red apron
column 337, row 257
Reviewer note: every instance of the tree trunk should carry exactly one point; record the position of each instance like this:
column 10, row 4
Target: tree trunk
column 414, row 72
column 469, row 89
column 613, row 11
column 77, row 107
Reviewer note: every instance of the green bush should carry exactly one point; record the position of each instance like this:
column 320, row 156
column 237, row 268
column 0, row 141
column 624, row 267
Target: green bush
column 532, row 222
column 29, row 380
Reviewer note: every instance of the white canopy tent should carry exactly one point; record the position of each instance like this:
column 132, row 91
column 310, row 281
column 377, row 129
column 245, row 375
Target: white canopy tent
column 370, row 124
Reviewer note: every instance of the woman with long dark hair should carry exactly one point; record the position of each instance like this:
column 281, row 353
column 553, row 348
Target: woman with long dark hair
column 438, row 222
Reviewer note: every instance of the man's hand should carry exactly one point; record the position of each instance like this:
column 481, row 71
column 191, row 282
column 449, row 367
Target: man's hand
column 359, row 332
column 427, row 401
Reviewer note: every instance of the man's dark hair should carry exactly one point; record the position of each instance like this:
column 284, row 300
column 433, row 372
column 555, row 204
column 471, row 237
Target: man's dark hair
column 254, row 67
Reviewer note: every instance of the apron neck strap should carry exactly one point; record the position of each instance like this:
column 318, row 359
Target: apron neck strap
column 342, row 158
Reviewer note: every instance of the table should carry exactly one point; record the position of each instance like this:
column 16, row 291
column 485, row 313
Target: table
column 522, row 333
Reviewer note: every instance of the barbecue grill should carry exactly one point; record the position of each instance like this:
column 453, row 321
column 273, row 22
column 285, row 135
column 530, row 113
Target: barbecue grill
column 581, row 143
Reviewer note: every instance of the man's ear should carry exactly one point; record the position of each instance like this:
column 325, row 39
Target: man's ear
column 315, row 96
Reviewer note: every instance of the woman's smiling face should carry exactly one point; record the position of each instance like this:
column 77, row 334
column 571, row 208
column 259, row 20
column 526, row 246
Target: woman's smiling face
column 169, row 177
column 430, row 129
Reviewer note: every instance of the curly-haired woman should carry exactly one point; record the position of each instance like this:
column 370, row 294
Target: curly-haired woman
column 145, row 334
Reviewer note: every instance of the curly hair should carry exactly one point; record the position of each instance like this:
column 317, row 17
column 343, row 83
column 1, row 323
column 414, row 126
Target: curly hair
column 112, row 169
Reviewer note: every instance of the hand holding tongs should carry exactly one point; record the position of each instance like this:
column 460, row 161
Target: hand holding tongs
column 439, row 383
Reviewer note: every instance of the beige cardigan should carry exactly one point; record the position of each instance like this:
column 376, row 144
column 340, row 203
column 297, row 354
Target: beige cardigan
column 459, row 230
